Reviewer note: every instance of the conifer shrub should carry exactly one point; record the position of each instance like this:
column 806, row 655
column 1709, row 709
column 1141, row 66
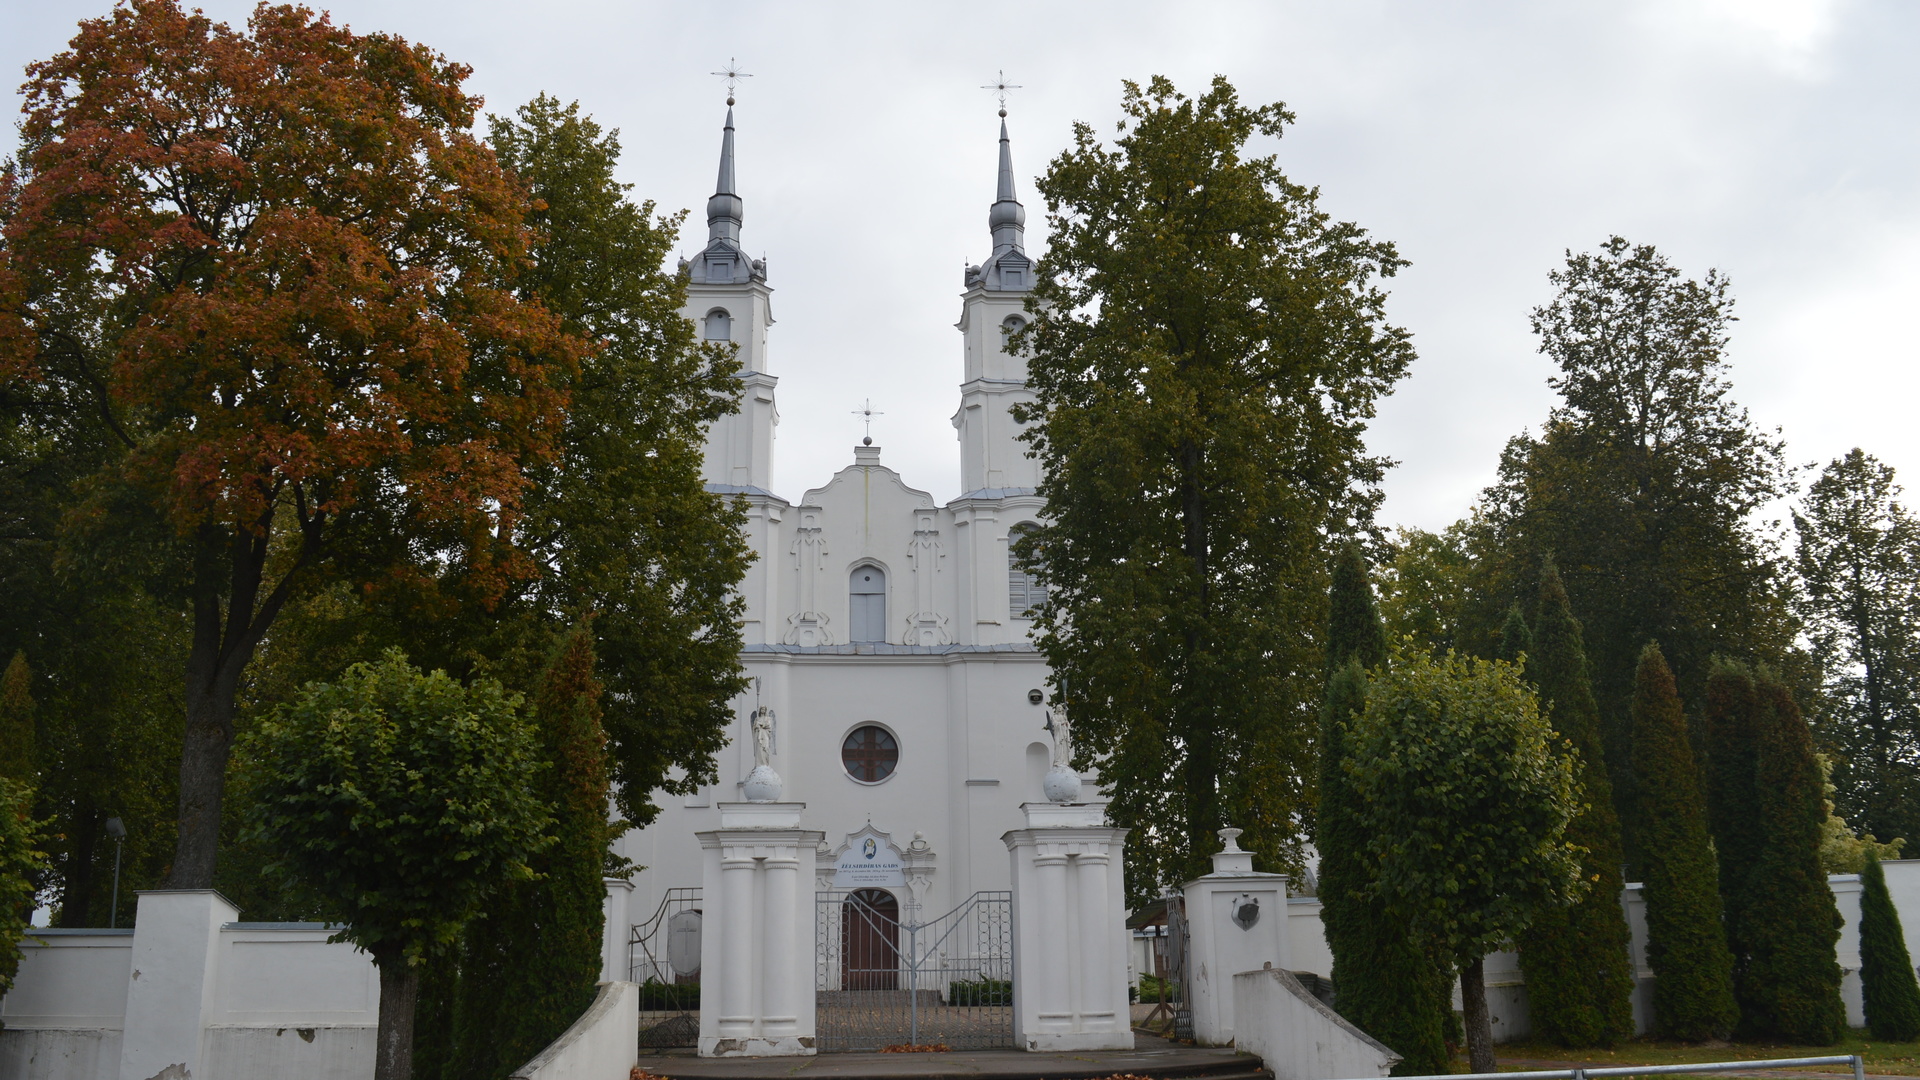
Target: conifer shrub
column 528, row 970
column 1385, row 983
column 1789, row 985
column 1578, row 960
column 1888, row 987
column 1516, row 640
column 1686, row 945
column 1733, row 722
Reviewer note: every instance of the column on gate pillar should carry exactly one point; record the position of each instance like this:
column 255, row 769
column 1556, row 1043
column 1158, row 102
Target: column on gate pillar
column 1069, row 930
column 616, row 961
column 1236, row 921
column 170, row 996
column 757, row 938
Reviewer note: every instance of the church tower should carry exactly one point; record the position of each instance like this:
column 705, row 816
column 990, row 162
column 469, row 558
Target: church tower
column 992, row 459
column 729, row 301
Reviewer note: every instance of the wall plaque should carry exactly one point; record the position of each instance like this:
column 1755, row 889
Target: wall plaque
column 869, row 861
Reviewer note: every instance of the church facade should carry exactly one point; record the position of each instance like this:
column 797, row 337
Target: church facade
column 886, row 636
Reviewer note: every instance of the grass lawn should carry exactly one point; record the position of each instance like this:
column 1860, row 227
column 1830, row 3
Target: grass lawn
column 1882, row 1058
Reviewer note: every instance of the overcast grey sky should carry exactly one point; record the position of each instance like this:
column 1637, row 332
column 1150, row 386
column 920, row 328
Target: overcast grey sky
column 1774, row 139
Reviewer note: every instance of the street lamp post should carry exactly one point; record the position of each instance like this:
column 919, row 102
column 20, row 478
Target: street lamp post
column 116, row 829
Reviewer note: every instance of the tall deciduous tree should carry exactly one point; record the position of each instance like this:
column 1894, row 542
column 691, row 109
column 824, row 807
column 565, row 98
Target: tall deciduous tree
column 1389, row 984
column 1466, row 806
column 1578, row 960
column 1888, row 989
column 399, row 801
column 281, row 267
column 1858, row 559
column 1643, row 483
column 1686, row 944
column 1206, row 348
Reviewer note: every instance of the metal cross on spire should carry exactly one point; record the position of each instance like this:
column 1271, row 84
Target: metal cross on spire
column 1000, row 87
column 867, row 412
column 733, row 75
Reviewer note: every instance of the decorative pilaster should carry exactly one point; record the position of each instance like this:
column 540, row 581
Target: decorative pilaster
column 925, row 626
column 1236, row 921
column 1070, row 952
column 759, row 933
column 808, row 624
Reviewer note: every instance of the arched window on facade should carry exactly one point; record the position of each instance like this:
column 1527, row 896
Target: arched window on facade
column 719, row 325
column 868, row 593
column 1024, row 592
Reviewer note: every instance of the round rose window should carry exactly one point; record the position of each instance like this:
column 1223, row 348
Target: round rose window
column 870, row 754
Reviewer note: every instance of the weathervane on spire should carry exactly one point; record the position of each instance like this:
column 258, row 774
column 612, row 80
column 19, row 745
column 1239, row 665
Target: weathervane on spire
column 1000, row 87
column 733, row 75
column 867, row 412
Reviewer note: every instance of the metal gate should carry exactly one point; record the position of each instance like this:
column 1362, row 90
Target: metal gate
column 885, row 982
column 664, row 958
column 1179, row 977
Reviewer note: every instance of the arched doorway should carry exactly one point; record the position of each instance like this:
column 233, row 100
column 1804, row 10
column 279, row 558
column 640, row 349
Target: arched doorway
column 870, row 941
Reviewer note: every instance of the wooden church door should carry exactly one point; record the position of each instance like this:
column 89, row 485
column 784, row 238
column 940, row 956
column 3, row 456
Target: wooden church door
column 870, row 941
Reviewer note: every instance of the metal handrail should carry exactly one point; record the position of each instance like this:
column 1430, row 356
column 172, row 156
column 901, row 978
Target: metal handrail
column 1855, row 1060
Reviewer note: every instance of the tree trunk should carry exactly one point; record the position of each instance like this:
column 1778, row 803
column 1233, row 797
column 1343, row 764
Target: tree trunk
column 225, row 636
column 393, row 1047
column 76, row 904
column 1473, row 1001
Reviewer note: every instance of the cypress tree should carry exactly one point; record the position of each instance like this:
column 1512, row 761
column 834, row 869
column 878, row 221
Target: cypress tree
column 1733, row 721
column 1686, row 946
column 1790, row 986
column 1384, row 981
column 1888, row 988
column 1354, row 629
column 1516, row 641
column 529, row 969
column 1578, row 960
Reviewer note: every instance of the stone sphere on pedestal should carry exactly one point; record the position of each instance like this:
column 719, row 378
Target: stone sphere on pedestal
column 1061, row 785
column 763, row 785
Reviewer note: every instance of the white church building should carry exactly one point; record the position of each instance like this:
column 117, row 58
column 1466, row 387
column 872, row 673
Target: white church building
column 887, row 636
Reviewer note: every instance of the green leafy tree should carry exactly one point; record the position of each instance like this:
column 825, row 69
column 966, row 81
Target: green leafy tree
column 1207, row 346
column 1425, row 588
column 527, row 970
column 1578, row 960
column 399, row 801
column 1888, row 988
column 1466, row 805
column 1791, row 988
column 1858, row 559
column 1686, row 944
column 21, row 864
column 1643, row 485
column 1387, row 982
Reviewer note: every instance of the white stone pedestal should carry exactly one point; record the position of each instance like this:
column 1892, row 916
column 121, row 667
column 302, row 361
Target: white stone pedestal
column 1236, row 921
column 615, row 962
column 1070, row 930
column 171, row 996
column 756, row 952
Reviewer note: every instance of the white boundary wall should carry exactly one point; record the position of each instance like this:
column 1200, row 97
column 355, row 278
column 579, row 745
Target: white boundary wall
column 1506, row 985
column 279, row 1002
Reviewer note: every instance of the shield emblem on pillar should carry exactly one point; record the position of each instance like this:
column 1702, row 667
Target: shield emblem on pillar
column 1246, row 911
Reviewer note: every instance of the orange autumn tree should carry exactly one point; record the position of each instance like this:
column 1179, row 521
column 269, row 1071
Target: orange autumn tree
column 280, row 268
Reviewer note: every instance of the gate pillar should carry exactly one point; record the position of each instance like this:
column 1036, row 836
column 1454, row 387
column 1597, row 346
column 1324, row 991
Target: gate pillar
column 756, row 951
column 1069, row 929
column 1236, row 921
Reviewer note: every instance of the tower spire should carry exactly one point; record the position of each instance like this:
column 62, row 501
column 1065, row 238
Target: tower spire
column 725, row 209
column 1007, row 218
